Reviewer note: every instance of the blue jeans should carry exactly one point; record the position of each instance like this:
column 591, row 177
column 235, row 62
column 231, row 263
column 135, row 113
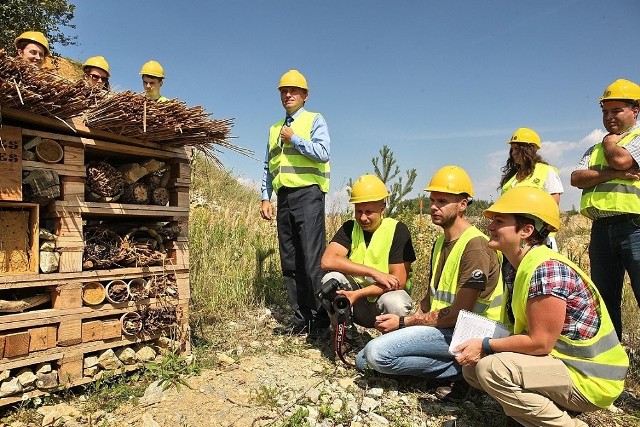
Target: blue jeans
column 420, row 351
column 613, row 249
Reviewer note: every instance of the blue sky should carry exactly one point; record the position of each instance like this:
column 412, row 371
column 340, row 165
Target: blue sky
column 438, row 82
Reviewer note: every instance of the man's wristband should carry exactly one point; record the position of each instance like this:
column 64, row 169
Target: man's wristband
column 401, row 322
column 486, row 347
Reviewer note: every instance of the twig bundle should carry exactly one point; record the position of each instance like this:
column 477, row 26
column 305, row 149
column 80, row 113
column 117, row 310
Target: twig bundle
column 25, row 87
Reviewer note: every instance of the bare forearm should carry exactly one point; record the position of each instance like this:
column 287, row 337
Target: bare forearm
column 444, row 318
column 519, row 344
column 346, row 266
column 589, row 177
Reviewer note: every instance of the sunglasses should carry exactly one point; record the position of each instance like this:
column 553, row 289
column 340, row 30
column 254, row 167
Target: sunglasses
column 98, row 78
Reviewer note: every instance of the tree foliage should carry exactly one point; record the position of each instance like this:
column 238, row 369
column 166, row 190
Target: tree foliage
column 386, row 168
column 47, row 16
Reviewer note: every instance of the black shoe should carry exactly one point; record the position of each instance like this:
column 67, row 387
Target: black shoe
column 458, row 392
column 320, row 334
column 291, row 329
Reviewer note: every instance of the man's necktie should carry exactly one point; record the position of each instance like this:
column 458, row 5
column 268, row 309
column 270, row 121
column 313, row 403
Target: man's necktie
column 288, row 120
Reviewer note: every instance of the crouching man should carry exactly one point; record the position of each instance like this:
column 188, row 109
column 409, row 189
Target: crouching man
column 370, row 257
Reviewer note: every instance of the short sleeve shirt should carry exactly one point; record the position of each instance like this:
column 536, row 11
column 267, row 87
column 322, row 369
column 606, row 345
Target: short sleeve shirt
column 401, row 247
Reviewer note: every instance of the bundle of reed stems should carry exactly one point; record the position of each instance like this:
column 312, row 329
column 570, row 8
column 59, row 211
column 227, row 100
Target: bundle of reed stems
column 173, row 123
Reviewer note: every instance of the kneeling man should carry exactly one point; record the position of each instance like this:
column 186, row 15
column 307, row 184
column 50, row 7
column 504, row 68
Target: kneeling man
column 370, row 256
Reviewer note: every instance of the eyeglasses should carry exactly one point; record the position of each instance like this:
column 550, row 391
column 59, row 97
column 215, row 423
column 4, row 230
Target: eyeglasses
column 98, row 78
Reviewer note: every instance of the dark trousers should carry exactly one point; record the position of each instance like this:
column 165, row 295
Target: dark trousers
column 615, row 248
column 302, row 240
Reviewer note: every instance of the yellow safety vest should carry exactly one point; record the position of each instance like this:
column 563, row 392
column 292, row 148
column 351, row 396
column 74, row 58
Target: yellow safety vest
column 290, row 168
column 536, row 179
column 617, row 195
column 376, row 254
column 445, row 294
column 597, row 366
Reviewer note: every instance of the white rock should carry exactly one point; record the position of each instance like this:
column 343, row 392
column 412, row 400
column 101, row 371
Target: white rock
column 90, row 361
column 377, row 420
column 153, row 394
column 5, row 374
column 49, row 261
column 313, row 395
column 9, row 387
column 27, row 379
column 127, row 355
column 148, row 421
column 369, row 404
column 145, row 354
column 375, row 392
column 43, row 368
column 108, row 360
column 337, row 405
column 225, row 360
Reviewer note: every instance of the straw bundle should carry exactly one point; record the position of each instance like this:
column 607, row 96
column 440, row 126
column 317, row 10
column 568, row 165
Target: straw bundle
column 25, row 87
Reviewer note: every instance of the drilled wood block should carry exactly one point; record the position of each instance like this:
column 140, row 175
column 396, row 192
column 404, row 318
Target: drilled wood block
column 70, row 368
column 70, row 332
column 16, row 344
column 111, row 329
column 67, row 296
column 10, row 163
column 19, row 241
column 92, row 330
column 43, row 338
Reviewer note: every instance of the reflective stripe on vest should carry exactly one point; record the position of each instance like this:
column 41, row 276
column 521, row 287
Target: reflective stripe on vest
column 290, row 168
column 445, row 294
column 616, row 195
column 537, row 179
column 376, row 254
column 598, row 365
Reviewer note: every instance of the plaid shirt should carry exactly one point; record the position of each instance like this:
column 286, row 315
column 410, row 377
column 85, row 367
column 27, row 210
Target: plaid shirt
column 554, row 278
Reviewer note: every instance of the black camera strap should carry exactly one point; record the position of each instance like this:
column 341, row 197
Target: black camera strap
column 339, row 340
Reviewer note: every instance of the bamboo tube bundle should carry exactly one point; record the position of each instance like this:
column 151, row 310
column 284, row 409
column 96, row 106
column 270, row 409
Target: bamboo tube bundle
column 25, row 87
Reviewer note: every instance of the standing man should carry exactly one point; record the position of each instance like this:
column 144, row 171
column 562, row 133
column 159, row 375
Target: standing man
column 610, row 181
column 32, row 46
column 465, row 274
column 96, row 72
column 152, row 79
column 370, row 256
column 296, row 167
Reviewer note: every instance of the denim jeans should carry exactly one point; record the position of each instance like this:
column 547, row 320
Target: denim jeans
column 613, row 249
column 420, row 351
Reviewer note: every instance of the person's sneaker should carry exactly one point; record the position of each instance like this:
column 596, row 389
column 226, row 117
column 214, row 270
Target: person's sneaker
column 458, row 392
column 291, row 329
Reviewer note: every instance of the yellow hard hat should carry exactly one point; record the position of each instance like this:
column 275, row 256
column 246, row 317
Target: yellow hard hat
column 621, row 89
column 293, row 78
column 530, row 201
column 451, row 179
column 34, row 36
column 98, row 62
column 525, row 136
column 152, row 68
column 368, row 188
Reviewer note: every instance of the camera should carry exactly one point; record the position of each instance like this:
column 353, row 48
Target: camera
column 334, row 303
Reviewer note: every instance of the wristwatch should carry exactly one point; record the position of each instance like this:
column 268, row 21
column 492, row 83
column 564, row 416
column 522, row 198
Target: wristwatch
column 401, row 322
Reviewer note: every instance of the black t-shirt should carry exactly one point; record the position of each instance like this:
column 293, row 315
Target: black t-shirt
column 401, row 247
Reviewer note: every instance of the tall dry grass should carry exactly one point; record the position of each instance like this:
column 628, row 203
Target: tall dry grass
column 235, row 267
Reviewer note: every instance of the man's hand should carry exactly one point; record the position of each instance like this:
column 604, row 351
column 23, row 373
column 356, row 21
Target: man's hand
column 351, row 295
column 388, row 282
column 470, row 352
column 266, row 210
column 387, row 322
column 632, row 174
column 286, row 133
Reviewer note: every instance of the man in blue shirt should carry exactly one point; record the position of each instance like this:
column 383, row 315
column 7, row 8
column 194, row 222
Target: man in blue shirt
column 296, row 167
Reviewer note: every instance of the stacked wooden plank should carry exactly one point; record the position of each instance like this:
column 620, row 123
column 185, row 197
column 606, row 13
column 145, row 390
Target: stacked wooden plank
column 55, row 328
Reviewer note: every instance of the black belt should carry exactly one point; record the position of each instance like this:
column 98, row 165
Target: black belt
column 617, row 219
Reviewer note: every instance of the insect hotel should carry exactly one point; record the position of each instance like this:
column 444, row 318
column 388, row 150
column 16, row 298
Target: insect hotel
column 94, row 211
